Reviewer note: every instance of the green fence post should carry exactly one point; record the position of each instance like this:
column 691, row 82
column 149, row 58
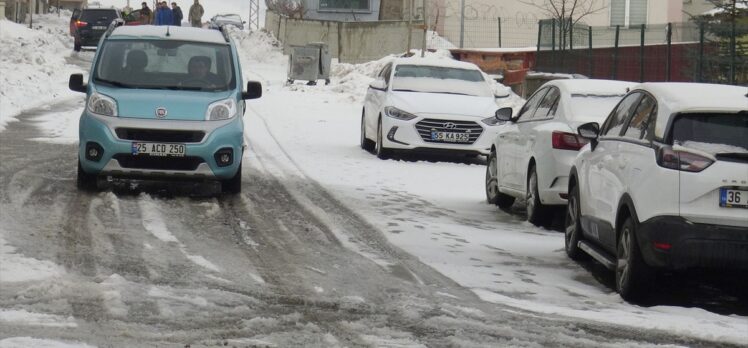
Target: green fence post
column 589, row 51
column 614, row 74
column 700, row 76
column 641, row 56
column 540, row 33
column 669, row 51
column 733, row 49
column 499, row 31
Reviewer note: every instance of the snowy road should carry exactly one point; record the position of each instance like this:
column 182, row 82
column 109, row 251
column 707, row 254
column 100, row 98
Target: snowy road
column 327, row 246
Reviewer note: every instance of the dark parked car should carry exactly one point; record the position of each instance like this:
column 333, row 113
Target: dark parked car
column 133, row 18
column 87, row 25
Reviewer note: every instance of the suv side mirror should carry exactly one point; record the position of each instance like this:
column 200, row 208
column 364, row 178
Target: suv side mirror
column 76, row 83
column 254, row 90
column 590, row 131
column 504, row 114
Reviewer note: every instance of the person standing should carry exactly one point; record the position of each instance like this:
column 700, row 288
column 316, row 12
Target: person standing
column 164, row 15
column 196, row 14
column 177, row 12
column 146, row 15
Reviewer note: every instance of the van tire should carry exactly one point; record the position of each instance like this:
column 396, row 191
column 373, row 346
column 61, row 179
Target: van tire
column 85, row 181
column 234, row 184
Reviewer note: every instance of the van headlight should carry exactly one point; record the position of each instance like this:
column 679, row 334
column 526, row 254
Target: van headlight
column 221, row 110
column 99, row 104
column 394, row 112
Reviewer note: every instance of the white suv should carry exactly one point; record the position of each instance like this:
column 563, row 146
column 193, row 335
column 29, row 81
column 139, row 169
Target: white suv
column 663, row 184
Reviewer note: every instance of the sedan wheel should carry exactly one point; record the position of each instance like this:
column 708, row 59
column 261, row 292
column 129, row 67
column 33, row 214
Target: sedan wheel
column 380, row 150
column 366, row 144
column 536, row 211
column 493, row 195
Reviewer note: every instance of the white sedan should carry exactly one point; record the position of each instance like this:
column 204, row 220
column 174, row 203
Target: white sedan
column 532, row 153
column 427, row 104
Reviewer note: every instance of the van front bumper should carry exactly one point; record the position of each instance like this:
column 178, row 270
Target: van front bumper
column 200, row 161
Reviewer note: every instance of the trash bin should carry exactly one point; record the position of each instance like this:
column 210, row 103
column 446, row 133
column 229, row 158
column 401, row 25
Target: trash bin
column 309, row 63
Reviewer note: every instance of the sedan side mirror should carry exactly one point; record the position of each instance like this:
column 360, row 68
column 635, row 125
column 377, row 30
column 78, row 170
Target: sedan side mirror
column 75, row 83
column 254, row 90
column 590, row 131
column 504, row 114
column 378, row 84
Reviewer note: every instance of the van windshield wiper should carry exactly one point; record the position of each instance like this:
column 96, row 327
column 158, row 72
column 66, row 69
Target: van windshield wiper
column 114, row 83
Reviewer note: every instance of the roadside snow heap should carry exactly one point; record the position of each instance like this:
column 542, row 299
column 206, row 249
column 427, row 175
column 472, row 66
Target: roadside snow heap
column 31, row 64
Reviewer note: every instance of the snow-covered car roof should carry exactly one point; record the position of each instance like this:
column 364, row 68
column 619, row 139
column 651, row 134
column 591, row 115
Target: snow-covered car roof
column 175, row 33
column 592, row 86
column 674, row 97
column 432, row 61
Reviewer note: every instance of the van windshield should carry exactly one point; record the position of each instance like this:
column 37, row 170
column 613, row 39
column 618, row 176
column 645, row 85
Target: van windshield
column 152, row 64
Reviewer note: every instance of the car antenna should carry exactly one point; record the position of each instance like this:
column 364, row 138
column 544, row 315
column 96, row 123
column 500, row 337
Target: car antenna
column 167, row 30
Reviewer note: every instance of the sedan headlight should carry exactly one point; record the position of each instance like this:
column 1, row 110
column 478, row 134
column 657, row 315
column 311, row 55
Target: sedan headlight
column 491, row 121
column 102, row 105
column 221, row 110
column 394, row 112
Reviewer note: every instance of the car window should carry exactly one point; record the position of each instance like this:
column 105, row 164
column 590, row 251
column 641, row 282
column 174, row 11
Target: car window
column 76, row 14
column 638, row 127
column 528, row 109
column 547, row 106
column 712, row 132
column 98, row 15
column 615, row 122
column 386, row 73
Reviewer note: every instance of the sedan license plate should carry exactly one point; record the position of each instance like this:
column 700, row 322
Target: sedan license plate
column 732, row 198
column 450, row 137
column 159, row 149
column 98, row 27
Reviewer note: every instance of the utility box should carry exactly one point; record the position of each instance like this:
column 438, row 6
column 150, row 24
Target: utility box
column 309, row 63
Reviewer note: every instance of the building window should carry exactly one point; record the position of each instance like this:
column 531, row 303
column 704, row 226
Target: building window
column 628, row 13
column 350, row 5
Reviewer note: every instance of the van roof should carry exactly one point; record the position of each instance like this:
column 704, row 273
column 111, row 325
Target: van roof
column 175, row 33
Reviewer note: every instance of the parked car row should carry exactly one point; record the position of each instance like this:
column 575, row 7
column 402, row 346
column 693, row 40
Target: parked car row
column 653, row 176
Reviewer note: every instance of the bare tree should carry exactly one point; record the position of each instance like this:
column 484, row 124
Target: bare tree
column 566, row 13
column 287, row 8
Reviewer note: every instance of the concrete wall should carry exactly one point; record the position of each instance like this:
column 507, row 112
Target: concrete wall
column 350, row 42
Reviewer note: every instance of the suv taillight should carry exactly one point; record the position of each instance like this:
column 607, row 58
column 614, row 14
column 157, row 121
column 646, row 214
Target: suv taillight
column 567, row 141
column 682, row 160
column 80, row 24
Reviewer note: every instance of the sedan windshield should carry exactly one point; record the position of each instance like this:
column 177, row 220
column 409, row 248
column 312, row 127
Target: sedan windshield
column 153, row 64
column 434, row 79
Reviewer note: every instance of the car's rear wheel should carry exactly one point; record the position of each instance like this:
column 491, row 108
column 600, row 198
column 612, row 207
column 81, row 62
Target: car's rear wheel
column 77, row 46
column 85, row 181
column 632, row 274
column 573, row 226
column 366, row 144
column 493, row 196
column 234, row 184
column 380, row 150
column 537, row 213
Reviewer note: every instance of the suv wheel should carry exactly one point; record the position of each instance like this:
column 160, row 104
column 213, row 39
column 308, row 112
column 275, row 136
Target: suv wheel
column 493, row 195
column 381, row 152
column 366, row 144
column 85, row 181
column 536, row 211
column 233, row 185
column 632, row 274
column 573, row 226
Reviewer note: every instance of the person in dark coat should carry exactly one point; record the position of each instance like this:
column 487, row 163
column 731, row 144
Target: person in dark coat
column 177, row 12
column 164, row 15
column 145, row 14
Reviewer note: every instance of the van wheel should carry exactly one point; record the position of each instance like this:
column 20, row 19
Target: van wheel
column 233, row 185
column 632, row 274
column 76, row 46
column 537, row 213
column 573, row 227
column 85, row 181
column 493, row 195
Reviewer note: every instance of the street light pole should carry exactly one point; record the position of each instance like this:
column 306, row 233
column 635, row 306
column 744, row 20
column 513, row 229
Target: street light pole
column 425, row 29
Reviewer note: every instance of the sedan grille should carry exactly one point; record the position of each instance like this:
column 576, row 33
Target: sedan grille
column 427, row 126
column 160, row 135
column 158, row 163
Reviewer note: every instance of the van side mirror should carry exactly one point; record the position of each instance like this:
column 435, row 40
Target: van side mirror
column 254, row 90
column 504, row 114
column 75, row 83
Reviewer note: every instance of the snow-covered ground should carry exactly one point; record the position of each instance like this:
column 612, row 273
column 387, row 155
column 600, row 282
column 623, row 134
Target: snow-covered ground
column 434, row 210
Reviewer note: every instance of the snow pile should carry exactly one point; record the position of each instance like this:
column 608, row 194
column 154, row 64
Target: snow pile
column 258, row 46
column 24, row 342
column 433, row 40
column 31, row 66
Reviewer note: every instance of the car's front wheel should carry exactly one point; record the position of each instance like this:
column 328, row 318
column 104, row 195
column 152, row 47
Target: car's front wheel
column 380, row 150
column 493, row 195
column 234, row 184
column 85, row 181
column 366, row 144
column 537, row 213
column 632, row 274
column 573, row 226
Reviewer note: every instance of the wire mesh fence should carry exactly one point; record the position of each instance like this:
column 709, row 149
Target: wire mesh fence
column 497, row 32
column 688, row 52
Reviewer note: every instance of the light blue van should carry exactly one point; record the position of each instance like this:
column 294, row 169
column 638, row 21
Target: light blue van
column 163, row 103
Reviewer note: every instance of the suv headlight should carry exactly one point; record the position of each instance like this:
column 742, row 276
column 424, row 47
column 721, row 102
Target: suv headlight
column 221, row 110
column 102, row 105
column 491, row 121
column 394, row 112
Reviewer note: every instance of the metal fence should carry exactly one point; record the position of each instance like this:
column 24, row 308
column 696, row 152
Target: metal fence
column 688, row 52
column 483, row 32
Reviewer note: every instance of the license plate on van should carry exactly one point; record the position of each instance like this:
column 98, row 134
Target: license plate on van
column 733, row 198
column 159, row 149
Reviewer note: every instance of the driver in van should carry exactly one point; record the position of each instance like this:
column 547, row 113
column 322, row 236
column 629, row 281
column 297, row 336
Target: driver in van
column 199, row 71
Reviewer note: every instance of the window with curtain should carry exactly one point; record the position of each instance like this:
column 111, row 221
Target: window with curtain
column 356, row 5
column 628, row 13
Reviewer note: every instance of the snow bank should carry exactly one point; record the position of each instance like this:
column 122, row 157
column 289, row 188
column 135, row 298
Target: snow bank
column 32, row 68
column 25, row 342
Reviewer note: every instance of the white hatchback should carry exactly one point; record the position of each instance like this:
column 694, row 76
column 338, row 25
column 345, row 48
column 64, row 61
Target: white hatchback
column 532, row 153
column 428, row 104
column 663, row 184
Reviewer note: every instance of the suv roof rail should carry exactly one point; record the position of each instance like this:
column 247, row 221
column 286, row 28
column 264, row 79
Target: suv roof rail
column 222, row 29
column 117, row 22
